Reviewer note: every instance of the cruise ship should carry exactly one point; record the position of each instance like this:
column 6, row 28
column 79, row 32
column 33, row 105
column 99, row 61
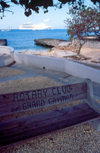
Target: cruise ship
column 30, row 26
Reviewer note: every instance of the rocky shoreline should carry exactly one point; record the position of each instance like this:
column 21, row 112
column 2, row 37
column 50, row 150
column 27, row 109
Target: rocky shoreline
column 50, row 42
column 89, row 54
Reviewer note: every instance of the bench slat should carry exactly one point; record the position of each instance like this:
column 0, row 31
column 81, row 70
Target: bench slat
column 30, row 100
column 22, row 128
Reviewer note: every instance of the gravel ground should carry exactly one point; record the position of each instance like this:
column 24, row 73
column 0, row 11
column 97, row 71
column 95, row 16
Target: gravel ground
column 78, row 139
column 26, row 84
column 6, row 72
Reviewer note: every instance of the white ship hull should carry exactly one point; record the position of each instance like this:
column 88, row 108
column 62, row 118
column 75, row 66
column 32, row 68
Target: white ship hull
column 30, row 26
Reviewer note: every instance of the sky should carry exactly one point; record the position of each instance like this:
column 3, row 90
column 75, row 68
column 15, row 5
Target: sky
column 54, row 18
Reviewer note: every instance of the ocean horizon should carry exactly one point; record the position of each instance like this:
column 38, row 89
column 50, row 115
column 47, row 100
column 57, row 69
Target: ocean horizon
column 24, row 39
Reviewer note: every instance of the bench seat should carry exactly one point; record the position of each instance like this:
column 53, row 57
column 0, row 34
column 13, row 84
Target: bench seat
column 18, row 129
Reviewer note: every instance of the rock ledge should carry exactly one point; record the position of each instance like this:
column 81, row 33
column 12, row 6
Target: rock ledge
column 50, row 42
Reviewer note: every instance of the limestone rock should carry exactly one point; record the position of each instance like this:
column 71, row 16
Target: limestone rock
column 50, row 42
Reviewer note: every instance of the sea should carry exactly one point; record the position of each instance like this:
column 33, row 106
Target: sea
column 24, row 39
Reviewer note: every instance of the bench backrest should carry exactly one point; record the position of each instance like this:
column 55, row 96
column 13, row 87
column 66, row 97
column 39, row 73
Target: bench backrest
column 33, row 99
column 13, row 130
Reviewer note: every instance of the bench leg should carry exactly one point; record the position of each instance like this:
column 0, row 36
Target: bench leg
column 96, row 124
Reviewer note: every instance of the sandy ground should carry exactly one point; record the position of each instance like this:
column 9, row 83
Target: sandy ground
column 78, row 139
column 93, row 53
column 88, row 55
column 26, row 84
column 6, row 72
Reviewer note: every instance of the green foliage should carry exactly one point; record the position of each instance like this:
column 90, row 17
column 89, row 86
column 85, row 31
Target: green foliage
column 34, row 5
column 83, row 22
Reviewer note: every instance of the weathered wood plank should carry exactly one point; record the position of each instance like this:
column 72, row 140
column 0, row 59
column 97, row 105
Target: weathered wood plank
column 19, row 129
column 28, row 100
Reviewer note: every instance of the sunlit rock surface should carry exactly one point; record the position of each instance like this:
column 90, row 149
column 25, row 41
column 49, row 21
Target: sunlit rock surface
column 51, row 42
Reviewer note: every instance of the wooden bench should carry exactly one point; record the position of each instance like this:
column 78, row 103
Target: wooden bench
column 22, row 127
